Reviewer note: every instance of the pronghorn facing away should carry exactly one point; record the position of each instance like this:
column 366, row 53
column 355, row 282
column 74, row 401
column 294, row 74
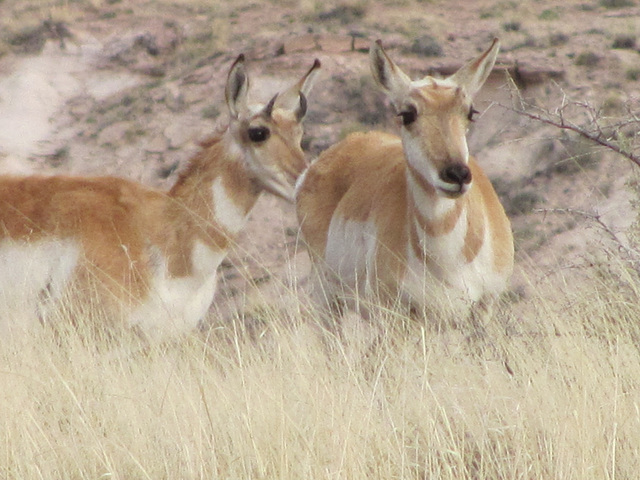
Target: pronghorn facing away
column 145, row 258
column 411, row 219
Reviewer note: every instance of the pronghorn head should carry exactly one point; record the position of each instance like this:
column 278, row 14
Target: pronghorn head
column 435, row 115
column 269, row 135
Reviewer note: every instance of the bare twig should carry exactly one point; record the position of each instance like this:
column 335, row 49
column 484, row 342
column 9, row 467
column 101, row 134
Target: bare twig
column 596, row 218
column 593, row 126
column 598, row 138
column 594, row 133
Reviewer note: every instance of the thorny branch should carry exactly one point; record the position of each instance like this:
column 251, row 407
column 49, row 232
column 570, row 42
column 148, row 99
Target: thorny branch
column 598, row 137
column 594, row 128
column 595, row 131
column 594, row 217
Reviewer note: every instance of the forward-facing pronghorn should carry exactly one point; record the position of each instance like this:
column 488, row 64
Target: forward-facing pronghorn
column 411, row 219
column 145, row 258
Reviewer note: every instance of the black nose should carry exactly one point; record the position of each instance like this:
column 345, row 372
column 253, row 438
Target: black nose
column 458, row 173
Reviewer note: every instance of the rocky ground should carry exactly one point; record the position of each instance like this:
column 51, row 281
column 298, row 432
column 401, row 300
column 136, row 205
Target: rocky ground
column 127, row 88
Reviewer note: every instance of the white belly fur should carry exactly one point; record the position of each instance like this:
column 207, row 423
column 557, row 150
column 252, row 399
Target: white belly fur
column 350, row 255
column 175, row 305
column 456, row 284
column 34, row 278
column 453, row 287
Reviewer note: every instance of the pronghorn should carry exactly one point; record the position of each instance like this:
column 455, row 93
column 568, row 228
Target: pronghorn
column 144, row 257
column 414, row 218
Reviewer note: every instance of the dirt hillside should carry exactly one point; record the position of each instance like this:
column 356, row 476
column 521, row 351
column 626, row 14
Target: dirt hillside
column 128, row 88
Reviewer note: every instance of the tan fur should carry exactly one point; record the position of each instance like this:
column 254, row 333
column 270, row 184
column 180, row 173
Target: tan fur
column 387, row 187
column 103, row 214
column 129, row 235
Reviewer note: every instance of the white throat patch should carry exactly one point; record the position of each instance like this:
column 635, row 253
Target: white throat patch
column 226, row 212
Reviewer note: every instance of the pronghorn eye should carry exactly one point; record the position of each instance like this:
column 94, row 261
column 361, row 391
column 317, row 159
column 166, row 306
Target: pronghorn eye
column 258, row 134
column 408, row 115
column 472, row 112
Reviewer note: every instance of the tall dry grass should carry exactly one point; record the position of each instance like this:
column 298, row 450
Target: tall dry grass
column 551, row 391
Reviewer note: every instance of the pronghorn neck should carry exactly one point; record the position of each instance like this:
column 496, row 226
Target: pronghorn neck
column 435, row 214
column 442, row 231
column 215, row 193
column 433, row 223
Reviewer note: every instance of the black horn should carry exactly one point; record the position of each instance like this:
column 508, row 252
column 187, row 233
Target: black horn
column 268, row 109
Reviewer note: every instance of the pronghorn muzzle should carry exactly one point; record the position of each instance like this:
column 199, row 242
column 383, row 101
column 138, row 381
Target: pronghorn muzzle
column 457, row 177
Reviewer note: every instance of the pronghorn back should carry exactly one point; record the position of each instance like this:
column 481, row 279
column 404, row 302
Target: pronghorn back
column 139, row 257
column 412, row 217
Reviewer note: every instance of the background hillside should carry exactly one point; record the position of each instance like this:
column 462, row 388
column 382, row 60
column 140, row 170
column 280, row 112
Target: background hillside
column 128, row 88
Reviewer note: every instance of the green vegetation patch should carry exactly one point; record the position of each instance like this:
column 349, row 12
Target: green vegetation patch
column 616, row 3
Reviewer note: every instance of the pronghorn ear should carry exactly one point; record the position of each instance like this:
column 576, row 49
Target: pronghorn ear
column 473, row 74
column 295, row 97
column 237, row 87
column 387, row 74
column 301, row 111
column 307, row 81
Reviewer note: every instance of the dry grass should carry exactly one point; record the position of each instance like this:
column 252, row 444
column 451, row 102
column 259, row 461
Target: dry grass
column 283, row 404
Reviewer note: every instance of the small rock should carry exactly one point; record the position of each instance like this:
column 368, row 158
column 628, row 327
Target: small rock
column 156, row 144
column 178, row 133
column 114, row 134
column 174, row 98
column 201, row 75
column 150, row 69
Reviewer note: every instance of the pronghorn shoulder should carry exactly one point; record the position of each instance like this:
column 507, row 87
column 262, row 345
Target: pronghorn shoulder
column 362, row 150
column 368, row 167
column 372, row 140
